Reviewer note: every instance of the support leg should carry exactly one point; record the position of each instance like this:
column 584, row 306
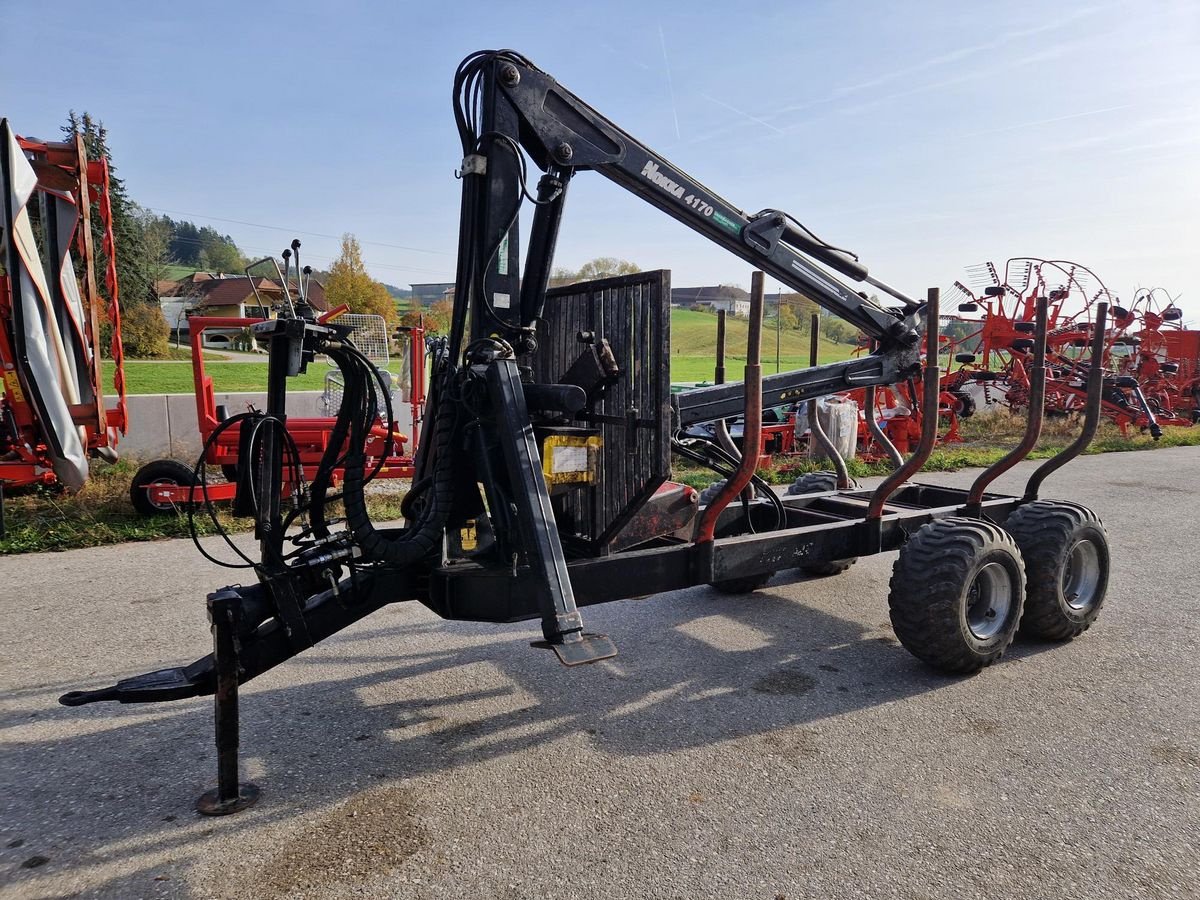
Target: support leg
column 562, row 624
column 229, row 796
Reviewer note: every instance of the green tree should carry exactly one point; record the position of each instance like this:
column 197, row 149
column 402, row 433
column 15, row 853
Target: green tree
column 134, row 270
column 350, row 283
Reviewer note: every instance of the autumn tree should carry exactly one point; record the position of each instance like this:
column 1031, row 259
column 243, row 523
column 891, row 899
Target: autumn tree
column 349, row 283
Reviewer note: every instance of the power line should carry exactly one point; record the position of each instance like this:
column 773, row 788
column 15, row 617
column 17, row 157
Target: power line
column 336, row 237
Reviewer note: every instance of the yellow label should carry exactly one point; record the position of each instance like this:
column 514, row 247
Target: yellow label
column 571, row 459
column 13, row 383
column 466, row 536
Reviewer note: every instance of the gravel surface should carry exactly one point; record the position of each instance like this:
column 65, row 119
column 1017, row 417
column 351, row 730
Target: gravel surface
column 773, row 745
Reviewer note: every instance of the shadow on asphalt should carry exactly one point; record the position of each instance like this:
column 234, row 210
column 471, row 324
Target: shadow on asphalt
column 696, row 669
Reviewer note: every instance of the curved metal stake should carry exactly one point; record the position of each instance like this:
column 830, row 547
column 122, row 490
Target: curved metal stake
column 873, row 428
column 819, row 437
column 1033, row 424
column 931, row 387
column 1091, row 416
column 752, row 427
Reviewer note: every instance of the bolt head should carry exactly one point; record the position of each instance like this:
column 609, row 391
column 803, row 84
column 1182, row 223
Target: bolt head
column 509, row 75
column 563, row 152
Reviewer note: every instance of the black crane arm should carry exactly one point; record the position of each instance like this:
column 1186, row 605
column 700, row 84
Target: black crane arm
column 563, row 134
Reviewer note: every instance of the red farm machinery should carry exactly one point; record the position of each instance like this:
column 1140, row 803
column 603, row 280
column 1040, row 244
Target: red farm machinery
column 166, row 485
column 55, row 233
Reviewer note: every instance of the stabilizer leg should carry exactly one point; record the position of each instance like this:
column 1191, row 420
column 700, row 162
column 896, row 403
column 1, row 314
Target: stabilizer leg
column 230, row 795
column 562, row 624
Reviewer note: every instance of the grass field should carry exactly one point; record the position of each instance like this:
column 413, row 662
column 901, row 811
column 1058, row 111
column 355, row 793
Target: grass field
column 693, row 345
column 694, row 341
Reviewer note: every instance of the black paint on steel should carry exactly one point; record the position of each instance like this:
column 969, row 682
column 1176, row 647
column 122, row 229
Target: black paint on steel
column 721, row 427
column 929, row 414
column 229, row 796
column 552, row 116
column 543, row 234
column 723, row 401
column 719, row 373
column 1033, row 421
column 1091, row 417
column 561, row 623
column 633, row 313
column 816, row 430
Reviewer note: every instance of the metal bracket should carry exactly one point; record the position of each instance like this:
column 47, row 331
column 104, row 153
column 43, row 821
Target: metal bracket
column 473, row 164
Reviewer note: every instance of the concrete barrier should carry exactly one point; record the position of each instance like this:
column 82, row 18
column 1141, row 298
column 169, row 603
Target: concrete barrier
column 164, row 425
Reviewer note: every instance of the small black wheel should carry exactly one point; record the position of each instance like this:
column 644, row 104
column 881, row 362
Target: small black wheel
column 815, row 483
column 957, row 591
column 709, row 494
column 966, row 404
column 1066, row 562
column 159, row 471
column 747, row 584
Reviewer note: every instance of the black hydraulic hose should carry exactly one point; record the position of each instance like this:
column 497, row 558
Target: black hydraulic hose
column 333, row 450
column 425, row 535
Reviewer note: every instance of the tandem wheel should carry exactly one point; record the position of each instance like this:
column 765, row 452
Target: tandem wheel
column 957, row 592
column 1066, row 556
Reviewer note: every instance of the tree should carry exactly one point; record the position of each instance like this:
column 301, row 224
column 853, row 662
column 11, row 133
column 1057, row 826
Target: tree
column 144, row 331
column 134, row 275
column 156, row 233
column 600, row 267
column 349, row 283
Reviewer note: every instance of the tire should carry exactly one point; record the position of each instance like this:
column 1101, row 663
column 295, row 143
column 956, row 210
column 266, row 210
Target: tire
column 1066, row 556
column 957, row 592
column 159, row 471
column 230, row 471
column 966, row 403
column 709, row 494
column 815, row 483
column 747, row 584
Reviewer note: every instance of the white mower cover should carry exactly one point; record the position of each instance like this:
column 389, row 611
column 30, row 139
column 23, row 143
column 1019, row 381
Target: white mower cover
column 51, row 373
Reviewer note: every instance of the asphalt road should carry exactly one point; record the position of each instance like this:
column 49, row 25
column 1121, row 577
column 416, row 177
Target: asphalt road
column 774, row 745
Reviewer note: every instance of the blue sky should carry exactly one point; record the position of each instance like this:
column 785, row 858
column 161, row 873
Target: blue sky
column 926, row 136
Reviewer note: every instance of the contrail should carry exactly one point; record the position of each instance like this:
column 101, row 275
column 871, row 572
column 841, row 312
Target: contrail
column 744, row 114
column 662, row 38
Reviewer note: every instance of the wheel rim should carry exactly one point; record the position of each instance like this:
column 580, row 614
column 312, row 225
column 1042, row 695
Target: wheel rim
column 989, row 600
column 1081, row 576
column 150, row 497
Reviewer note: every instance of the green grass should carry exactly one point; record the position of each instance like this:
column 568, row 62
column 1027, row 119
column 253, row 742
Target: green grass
column 42, row 519
column 694, row 343
column 174, row 273
column 152, row 377
column 693, row 348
